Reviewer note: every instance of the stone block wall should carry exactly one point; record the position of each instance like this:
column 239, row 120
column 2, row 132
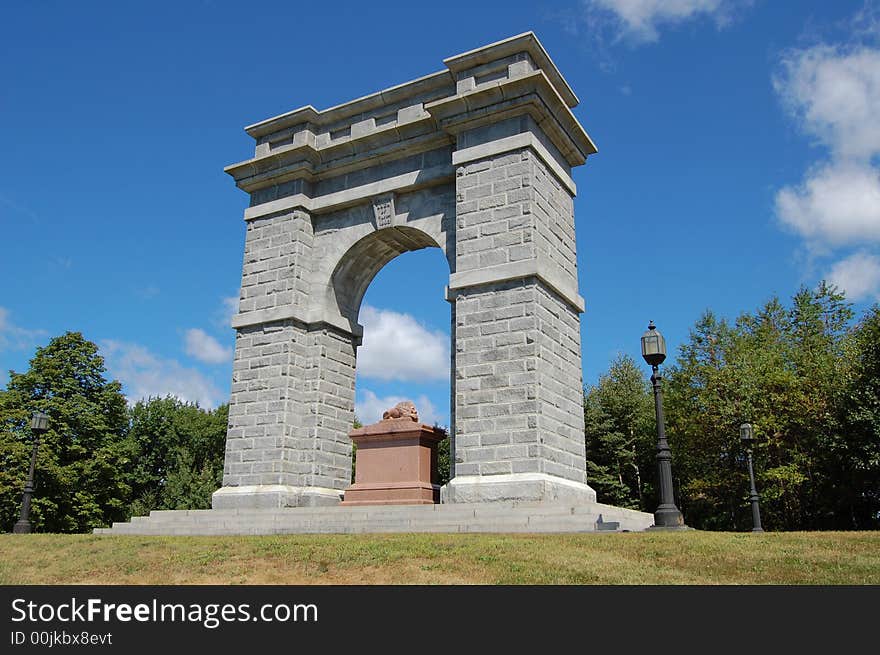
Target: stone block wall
column 553, row 207
column 263, row 392
column 518, row 402
column 328, row 411
column 496, row 379
column 291, row 407
column 518, row 381
column 493, row 201
column 277, row 261
column 560, row 387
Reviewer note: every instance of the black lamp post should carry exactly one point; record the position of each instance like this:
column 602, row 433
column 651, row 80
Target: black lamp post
column 667, row 515
column 747, row 436
column 39, row 425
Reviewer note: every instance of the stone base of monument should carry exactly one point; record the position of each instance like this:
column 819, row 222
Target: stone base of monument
column 518, row 487
column 396, row 490
column 395, row 464
column 495, row 517
column 269, row 496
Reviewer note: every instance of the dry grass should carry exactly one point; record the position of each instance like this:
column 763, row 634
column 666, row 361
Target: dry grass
column 692, row 558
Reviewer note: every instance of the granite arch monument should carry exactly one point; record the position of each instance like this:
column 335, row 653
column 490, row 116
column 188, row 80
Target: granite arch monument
column 475, row 159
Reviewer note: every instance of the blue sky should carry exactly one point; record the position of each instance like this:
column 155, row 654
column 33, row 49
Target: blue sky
column 738, row 159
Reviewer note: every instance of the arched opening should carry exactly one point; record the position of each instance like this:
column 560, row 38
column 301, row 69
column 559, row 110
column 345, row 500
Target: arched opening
column 362, row 262
column 406, row 349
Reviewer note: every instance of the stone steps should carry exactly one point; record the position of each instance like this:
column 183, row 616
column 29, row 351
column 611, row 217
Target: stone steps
column 452, row 518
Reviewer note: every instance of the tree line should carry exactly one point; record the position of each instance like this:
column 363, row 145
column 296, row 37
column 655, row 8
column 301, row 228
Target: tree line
column 101, row 460
column 805, row 374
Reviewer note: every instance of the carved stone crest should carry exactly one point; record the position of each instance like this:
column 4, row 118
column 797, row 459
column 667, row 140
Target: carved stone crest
column 383, row 210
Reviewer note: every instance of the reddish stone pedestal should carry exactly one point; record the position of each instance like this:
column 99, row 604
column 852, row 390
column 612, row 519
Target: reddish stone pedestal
column 395, row 464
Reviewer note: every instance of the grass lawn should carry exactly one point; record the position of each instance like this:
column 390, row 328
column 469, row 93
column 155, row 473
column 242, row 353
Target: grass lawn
column 692, row 558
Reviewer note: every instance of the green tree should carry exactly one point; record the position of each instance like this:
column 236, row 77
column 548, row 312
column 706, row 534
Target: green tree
column 443, row 457
column 179, row 454
column 703, row 413
column 854, row 456
column 779, row 369
column 619, row 436
column 80, row 481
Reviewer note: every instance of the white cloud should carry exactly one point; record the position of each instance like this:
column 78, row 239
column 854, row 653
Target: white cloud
column 15, row 337
column 836, row 204
column 640, row 20
column 144, row 374
column 206, row 348
column 858, row 275
column 397, row 347
column 369, row 407
column 833, row 93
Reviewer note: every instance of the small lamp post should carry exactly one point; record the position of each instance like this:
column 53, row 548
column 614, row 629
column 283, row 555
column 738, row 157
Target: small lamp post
column 747, row 436
column 667, row 515
column 39, row 425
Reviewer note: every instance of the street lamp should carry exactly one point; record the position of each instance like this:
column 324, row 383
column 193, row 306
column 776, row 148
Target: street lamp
column 39, row 425
column 747, row 436
column 667, row 515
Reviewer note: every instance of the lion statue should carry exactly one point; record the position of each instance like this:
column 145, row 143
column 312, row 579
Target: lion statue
column 405, row 409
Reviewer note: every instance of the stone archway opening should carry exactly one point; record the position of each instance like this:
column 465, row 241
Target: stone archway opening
column 361, row 264
column 405, row 356
column 407, row 344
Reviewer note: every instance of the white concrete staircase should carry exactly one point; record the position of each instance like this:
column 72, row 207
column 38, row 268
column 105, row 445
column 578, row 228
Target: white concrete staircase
column 476, row 517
